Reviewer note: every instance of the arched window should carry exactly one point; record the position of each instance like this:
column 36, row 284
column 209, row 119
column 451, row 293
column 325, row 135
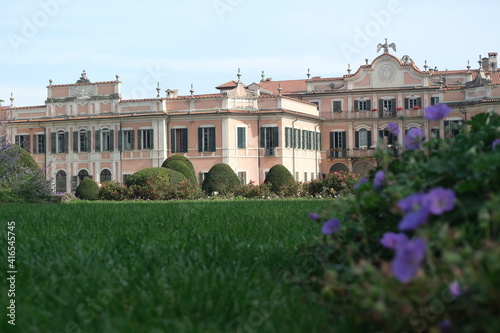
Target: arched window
column 82, row 175
column 105, row 176
column 61, row 180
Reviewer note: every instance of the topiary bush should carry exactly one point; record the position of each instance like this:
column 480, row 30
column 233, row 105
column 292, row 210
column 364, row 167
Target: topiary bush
column 150, row 183
column 220, row 178
column 142, row 177
column 279, row 176
column 416, row 248
column 182, row 168
column 175, row 176
column 172, row 162
column 87, row 190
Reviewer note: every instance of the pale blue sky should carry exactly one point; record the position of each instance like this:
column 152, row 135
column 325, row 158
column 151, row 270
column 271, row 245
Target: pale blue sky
column 203, row 42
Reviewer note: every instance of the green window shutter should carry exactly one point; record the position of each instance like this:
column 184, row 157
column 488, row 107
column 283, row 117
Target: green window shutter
column 120, row 140
column 419, row 101
column 212, row 138
column 332, row 139
column 369, row 134
column 97, row 140
column 393, row 104
column 17, row 140
column 286, row 137
column 75, row 141
column 184, row 140
column 262, row 137
column 172, row 140
column 344, row 140
column 381, row 107
column 356, row 139
column 139, row 139
column 66, row 142
column 275, row 137
column 74, row 183
column 368, row 104
column 89, row 140
column 356, row 105
column 132, row 140
column 151, row 138
column 53, row 142
column 200, row 139
column 407, row 103
column 111, row 140
column 241, row 137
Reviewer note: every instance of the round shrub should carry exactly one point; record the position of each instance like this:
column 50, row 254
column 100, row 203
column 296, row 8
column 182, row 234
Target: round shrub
column 175, row 176
column 87, row 190
column 142, row 177
column 181, row 167
column 189, row 172
column 220, row 178
column 279, row 176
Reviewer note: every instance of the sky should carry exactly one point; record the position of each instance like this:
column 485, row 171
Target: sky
column 204, row 42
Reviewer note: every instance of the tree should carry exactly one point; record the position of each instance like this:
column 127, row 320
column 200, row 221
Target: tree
column 220, row 178
column 279, row 176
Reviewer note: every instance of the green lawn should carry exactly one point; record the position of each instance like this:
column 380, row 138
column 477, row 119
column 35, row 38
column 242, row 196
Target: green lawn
column 151, row 267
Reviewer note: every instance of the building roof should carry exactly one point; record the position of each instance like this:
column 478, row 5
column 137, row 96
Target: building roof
column 287, row 86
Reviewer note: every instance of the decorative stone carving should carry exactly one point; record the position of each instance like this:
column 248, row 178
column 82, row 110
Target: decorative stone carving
column 83, row 92
column 387, row 73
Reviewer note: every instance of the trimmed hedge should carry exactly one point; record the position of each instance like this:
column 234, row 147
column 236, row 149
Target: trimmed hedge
column 142, row 177
column 87, row 190
column 175, row 176
column 279, row 176
column 181, row 167
column 189, row 172
column 220, row 178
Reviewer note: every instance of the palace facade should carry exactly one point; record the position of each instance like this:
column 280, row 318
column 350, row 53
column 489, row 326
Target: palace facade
column 312, row 126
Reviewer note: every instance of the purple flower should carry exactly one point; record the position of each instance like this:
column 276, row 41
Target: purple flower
column 378, row 180
column 495, row 143
column 393, row 128
column 330, row 227
column 411, row 202
column 436, row 112
column 314, row 216
column 391, row 240
column 444, row 326
column 414, row 138
column 440, row 200
column 454, row 289
column 414, row 219
column 408, row 258
column 361, row 182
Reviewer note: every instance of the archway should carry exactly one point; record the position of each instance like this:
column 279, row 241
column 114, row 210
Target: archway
column 61, row 181
column 105, row 176
column 338, row 167
column 362, row 168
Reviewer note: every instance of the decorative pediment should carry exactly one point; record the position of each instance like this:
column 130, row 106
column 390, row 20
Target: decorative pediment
column 83, row 92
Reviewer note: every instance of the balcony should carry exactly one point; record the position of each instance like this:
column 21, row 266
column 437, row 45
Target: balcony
column 376, row 114
column 352, row 153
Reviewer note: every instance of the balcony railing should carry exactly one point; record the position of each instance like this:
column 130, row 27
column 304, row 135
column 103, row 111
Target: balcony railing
column 377, row 114
column 351, row 153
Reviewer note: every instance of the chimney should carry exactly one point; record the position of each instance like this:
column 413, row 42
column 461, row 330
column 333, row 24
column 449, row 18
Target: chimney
column 486, row 64
column 493, row 64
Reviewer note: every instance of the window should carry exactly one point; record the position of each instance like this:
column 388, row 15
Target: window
column 179, row 140
column 145, row 139
column 61, row 180
column 104, row 140
column 435, row 133
column 81, row 141
column 338, row 144
column 288, row 137
column 452, row 128
column 39, row 144
column 435, row 100
column 363, row 139
column 387, row 138
column 23, row 141
column 242, row 175
column 105, row 176
column 242, row 137
column 296, row 138
column 315, row 102
column 387, row 108
column 310, row 141
column 206, row 139
column 59, row 142
column 305, row 177
column 304, row 139
column 269, row 139
column 336, row 106
column 126, row 140
column 362, row 105
column 201, row 177
column 125, row 177
column 412, row 102
column 318, row 141
column 76, row 180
